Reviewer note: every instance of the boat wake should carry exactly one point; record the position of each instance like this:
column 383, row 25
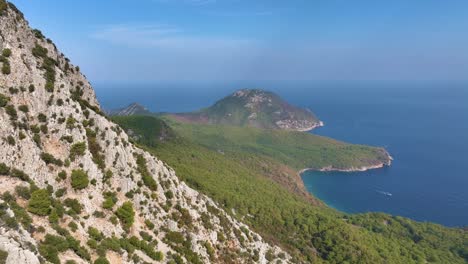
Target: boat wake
column 384, row 193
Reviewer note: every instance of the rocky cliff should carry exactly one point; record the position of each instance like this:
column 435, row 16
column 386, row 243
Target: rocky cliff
column 74, row 190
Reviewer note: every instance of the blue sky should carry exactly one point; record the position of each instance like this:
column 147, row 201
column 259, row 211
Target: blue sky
column 148, row 40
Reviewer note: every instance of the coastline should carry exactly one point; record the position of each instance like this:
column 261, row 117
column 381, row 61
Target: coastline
column 352, row 169
column 319, row 124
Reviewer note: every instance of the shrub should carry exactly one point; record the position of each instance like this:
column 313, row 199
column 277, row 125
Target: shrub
column 13, row 90
column 39, row 51
column 23, row 108
column 10, row 140
column 110, row 200
column 77, row 149
column 19, row 174
column 6, row 53
column 6, row 69
column 60, row 192
column 148, row 180
column 73, row 226
column 11, row 111
column 95, row 234
column 70, row 122
column 79, row 179
column 38, row 33
column 54, row 217
column 4, row 169
column 37, row 139
column 169, row 194
column 101, row 260
column 149, row 224
column 23, row 192
column 3, row 8
column 95, row 149
column 49, row 159
column 40, row 202
column 74, row 205
column 3, row 100
column 62, row 175
column 126, row 214
column 31, row 88
column 42, row 118
column 68, row 139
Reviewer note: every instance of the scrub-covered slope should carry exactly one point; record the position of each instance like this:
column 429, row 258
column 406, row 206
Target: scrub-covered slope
column 72, row 187
column 256, row 108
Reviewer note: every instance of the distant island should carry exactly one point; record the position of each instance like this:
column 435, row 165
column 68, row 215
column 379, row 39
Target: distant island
column 254, row 108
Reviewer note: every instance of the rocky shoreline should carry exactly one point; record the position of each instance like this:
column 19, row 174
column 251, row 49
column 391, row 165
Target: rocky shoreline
column 307, row 129
column 352, row 169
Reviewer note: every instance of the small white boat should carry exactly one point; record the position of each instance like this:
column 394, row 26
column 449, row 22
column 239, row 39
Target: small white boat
column 385, row 193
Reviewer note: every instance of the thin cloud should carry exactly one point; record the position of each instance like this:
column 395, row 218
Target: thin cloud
column 162, row 36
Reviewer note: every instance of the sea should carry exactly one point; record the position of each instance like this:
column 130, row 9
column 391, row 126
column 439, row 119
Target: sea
column 423, row 125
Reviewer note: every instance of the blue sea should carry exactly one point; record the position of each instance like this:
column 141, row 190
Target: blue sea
column 424, row 125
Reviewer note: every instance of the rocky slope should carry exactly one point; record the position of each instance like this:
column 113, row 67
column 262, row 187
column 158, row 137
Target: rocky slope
column 132, row 109
column 256, row 108
column 74, row 189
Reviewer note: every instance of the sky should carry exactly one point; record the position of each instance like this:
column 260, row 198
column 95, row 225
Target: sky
column 153, row 40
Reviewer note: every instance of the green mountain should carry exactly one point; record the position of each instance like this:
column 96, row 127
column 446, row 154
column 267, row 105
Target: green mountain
column 255, row 108
column 252, row 174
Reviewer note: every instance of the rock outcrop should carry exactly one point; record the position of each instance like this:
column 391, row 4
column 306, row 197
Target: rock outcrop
column 75, row 189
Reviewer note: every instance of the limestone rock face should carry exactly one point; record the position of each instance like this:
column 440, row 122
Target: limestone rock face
column 51, row 127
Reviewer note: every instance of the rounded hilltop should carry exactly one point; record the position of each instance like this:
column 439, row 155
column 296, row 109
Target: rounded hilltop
column 255, row 108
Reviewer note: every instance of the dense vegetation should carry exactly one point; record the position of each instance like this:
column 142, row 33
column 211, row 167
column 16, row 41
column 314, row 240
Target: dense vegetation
column 236, row 181
column 251, row 107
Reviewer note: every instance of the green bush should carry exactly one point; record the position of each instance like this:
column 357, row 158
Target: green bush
column 42, row 118
column 4, row 169
column 101, row 260
column 126, row 214
column 38, row 33
column 110, row 199
column 49, row 159
column 3, row 100
column 6, row 53
column 23, row 108
column 95, row 234
column 146, row 176
column 40, row 202
column 62, row 175
column 10, row 140
column 74, row 205
column 60, row 192
column 79, row 179
column 39, row 51
column 3, row 254
column 77, row 149
column 6, row 68
column 11, row 111
column 19, row 174
column 3, row 8
column 23, row 192
column 95, row 149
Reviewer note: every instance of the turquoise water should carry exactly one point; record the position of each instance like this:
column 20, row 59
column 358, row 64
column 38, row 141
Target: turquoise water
column 424, row 125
